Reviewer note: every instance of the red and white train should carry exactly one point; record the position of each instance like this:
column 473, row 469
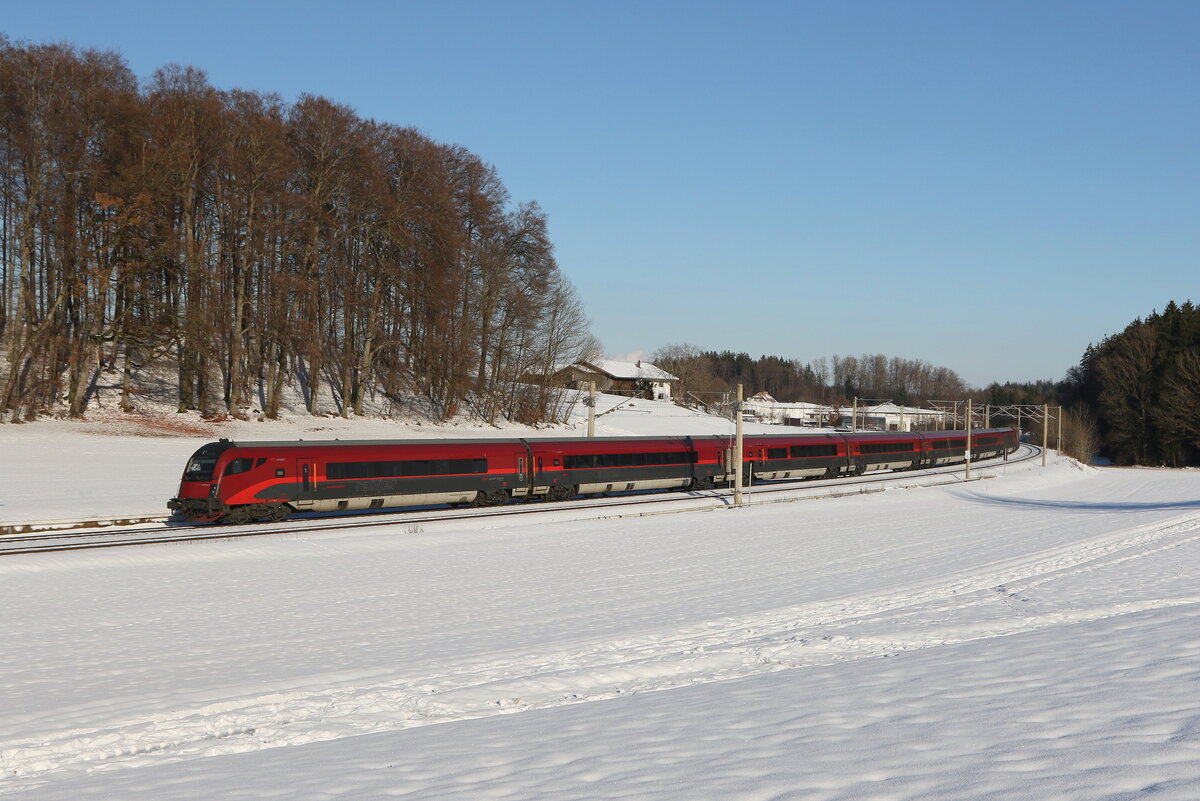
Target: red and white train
column 238, row 482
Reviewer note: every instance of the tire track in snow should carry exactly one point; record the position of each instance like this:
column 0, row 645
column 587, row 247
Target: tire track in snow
column 804, row 635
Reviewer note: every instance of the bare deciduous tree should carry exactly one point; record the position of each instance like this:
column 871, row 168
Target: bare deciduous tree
column 245, row 243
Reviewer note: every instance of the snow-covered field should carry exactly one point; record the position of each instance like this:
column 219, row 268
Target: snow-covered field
column 1035, row 635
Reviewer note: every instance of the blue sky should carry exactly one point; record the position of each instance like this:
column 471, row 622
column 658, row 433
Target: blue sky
column 985, row 186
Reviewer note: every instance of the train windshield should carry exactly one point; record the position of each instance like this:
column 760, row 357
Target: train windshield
column 200, row 467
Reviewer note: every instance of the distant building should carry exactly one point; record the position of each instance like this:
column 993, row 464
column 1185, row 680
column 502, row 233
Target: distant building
column 768, row 410
column 630, row 377
column 890, row 417
column 883, row 417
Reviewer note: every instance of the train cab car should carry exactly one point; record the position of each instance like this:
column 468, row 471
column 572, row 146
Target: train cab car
column 564, row 468
column 198, row 488
column 784, row 456
column 240, row 482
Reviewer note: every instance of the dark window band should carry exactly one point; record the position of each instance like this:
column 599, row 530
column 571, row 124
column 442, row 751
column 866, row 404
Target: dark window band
column 577, row 460
column 411, row 467
column 886, row 447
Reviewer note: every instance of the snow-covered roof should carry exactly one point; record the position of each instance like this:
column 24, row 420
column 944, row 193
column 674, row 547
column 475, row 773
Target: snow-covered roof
column 628, row 371
column 892, row 408
column 784, row 405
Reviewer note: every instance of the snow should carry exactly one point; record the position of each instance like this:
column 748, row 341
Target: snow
column 1032, row 635
column 633, row 371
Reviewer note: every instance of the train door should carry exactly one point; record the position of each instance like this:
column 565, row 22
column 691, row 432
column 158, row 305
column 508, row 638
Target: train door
column 520, row 487
column 306, row 473
column 523, row 460
column 856, row 462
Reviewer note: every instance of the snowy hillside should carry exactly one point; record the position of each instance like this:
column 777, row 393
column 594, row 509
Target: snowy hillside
column 1035, row 635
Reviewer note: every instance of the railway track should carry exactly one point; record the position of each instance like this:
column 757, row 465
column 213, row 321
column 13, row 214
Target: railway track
column 51, row 536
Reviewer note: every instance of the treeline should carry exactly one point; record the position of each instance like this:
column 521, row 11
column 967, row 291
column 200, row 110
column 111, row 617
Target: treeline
column 1139, row 391
column 835, row 381
column 245, row 243
column 1144, row 387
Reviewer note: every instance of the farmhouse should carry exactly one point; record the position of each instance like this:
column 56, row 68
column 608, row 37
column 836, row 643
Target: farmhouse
column 637, row 377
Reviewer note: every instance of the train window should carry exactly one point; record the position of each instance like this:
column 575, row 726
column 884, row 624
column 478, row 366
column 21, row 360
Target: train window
column 239, row 466
column 204, row 461
column 777, row 453
column 260, row 462
column 811, row 451
column 200, row 467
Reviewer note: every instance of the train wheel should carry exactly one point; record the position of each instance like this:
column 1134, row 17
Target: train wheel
column 238, row 515
column 562, row 492
column 496, row 498
column 277, row 513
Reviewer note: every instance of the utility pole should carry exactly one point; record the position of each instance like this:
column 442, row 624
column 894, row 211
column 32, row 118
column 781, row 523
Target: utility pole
column 854, row 415
column 1045, row 430
column 1058, row 439
column 737, row 454
column 590, row 402
column 968, row 461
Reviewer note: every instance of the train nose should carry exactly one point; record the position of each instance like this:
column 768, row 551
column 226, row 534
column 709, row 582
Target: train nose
column 196, row 501
column 201, row 490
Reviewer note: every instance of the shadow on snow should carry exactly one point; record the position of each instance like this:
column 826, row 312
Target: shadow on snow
column 1081, row 506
